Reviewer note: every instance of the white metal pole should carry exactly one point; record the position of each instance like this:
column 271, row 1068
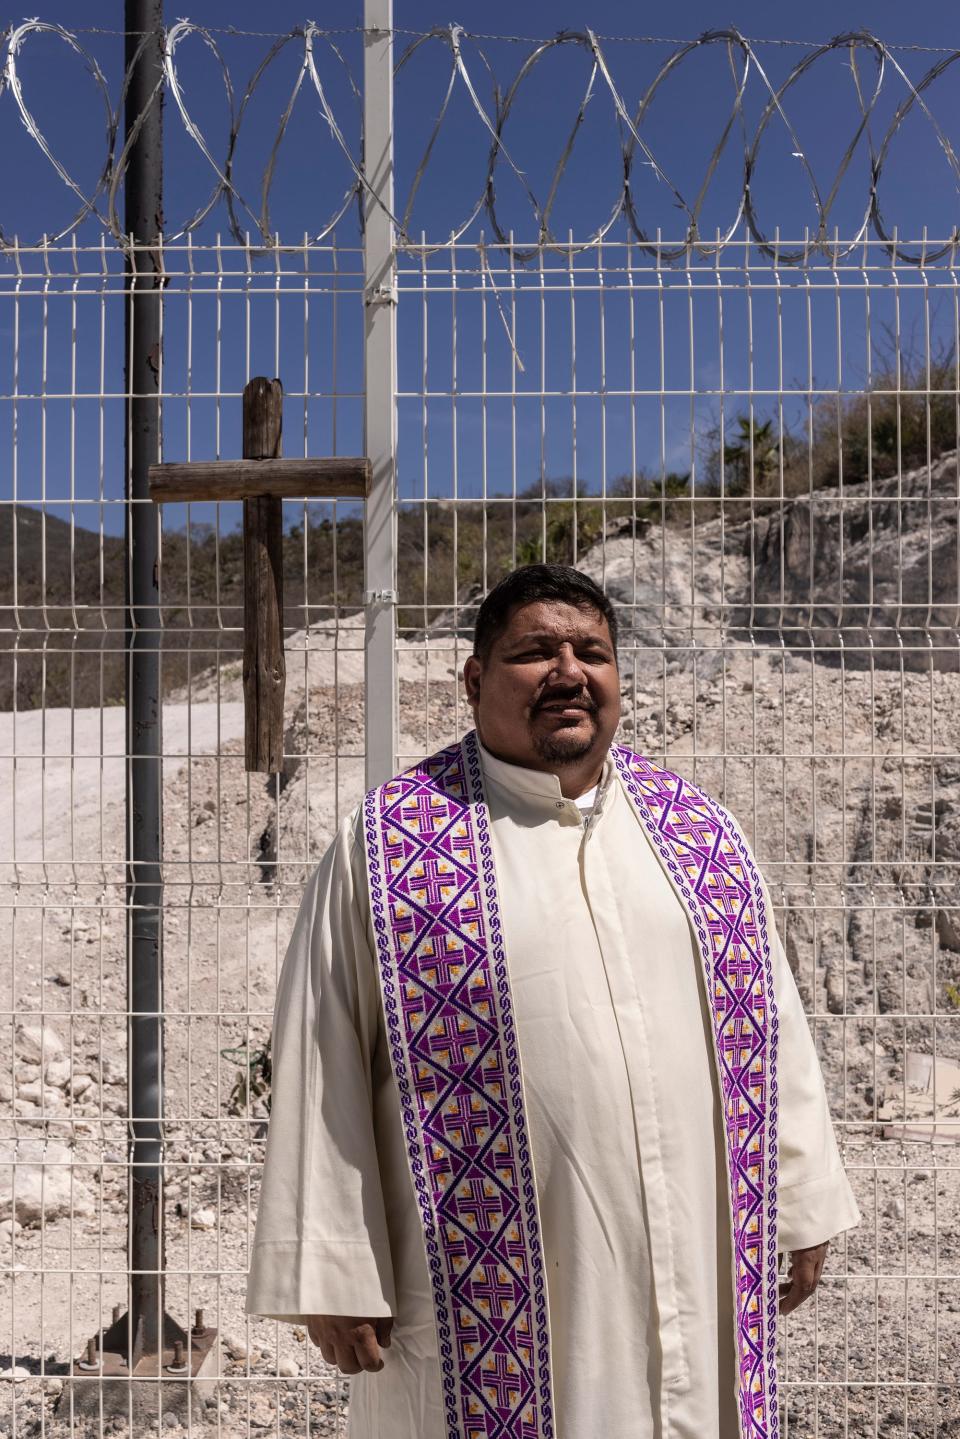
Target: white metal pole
column 380, row 385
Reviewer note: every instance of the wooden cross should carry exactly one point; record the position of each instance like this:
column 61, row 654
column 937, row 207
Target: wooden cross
column 262, row 480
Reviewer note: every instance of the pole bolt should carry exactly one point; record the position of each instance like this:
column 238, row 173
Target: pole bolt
column 198, row 1324
column 91, row 1359
column 117, row 1311
column 177, row 1364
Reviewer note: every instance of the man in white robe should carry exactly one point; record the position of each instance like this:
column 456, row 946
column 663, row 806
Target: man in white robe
column 620, row 1082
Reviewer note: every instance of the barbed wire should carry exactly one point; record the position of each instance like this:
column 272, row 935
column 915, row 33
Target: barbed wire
column 872, row 65
column 782, row 41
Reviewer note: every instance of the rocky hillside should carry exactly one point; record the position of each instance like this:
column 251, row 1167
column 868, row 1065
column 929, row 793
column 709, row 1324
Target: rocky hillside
column 863, row 576
column 870, row 574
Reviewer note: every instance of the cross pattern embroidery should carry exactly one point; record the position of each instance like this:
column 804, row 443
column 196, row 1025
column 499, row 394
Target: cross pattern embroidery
column 468, row 1121
column 449, row 1021
column 710, row 865
column 449, row 1018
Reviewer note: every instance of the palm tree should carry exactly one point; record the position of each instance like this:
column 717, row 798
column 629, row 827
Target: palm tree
column 756, row 443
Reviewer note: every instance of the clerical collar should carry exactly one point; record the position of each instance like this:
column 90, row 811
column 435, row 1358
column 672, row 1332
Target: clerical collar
column 585, row 802
column 537, row 783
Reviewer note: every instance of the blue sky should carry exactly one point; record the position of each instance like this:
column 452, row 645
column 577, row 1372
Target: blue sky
column 59, row 450
column 681, row 125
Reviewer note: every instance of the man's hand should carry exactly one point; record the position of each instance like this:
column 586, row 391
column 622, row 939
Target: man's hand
column 349, row 1343
column 806, row 1266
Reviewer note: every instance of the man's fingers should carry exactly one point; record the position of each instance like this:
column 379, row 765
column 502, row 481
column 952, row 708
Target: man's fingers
column 790, row 1297
column 350, row 1343
column 806, row 1266
column 366, row 1347
column 799, row 1286
column 317, row 1334
column 346, row 1359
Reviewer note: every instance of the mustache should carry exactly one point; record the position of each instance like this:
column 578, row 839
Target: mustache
column 584, row 702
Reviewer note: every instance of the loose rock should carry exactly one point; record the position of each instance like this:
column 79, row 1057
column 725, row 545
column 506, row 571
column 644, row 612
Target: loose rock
column 57, row 1072
column 111, row 1072
column 38, row 1093
column 37, row 1183
column 38, row 1044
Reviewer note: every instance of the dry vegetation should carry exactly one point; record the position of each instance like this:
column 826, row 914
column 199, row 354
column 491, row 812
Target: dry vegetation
column 67, row 644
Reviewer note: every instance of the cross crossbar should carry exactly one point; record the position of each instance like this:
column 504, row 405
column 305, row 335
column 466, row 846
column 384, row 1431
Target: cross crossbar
column 328, row 478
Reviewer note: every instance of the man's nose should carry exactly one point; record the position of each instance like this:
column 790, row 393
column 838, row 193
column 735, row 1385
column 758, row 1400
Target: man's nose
column 567, row 669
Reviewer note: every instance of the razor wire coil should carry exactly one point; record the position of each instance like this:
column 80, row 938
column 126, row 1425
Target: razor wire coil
column 873, row 67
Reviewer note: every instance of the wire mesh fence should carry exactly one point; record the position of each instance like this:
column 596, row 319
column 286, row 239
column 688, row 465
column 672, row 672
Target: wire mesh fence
column 787, row 588
column 750, row 440
column 234, row 856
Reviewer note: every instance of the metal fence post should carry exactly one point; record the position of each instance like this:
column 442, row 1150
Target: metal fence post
column 143, row 223
column 380, row 383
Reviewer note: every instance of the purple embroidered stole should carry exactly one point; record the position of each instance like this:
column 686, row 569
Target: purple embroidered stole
column 453, row 1046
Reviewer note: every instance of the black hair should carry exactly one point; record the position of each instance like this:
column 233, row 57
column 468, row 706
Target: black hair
column 530, row 583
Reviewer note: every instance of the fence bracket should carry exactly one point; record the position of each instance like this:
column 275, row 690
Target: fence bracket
column 382, row 295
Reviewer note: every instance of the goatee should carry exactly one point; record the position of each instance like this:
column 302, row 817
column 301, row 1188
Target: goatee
column 561, row 748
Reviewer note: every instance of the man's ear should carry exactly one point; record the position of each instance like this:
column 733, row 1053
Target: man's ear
column 471, row 679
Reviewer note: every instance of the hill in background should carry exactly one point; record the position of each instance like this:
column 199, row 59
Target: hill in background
column 830, row 548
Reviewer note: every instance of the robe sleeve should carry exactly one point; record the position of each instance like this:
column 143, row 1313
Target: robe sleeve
column 814, row 1198
column 321, row 1244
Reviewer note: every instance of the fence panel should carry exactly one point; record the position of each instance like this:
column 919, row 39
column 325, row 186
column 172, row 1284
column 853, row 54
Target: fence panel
column 750, row 439
column 237, row 847
column 783, row 551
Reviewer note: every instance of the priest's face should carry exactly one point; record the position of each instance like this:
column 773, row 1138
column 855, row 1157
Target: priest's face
column 547, row 694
